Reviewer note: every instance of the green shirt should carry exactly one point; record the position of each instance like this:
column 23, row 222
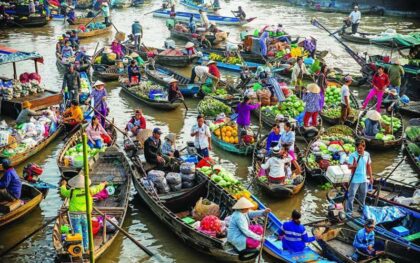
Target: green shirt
column 25, row 116
column 78, row 201
column 395, row 72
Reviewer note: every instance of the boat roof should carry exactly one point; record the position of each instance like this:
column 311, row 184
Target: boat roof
column 10, row 55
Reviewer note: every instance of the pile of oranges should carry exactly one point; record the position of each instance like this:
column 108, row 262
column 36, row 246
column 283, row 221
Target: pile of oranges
column 227, row 133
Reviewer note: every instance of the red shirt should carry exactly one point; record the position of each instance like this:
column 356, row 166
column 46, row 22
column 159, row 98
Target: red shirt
column 381, row 82
column 214, row 70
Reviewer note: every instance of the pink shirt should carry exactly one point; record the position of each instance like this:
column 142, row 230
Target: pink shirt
column 95, row 133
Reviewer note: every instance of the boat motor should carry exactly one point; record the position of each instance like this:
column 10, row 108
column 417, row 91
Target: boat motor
column 73, row 245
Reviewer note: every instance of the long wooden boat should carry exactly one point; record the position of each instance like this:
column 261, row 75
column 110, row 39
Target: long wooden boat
column 406, row 248
column 121, row 3
column 12, row 211
column 220, row 20
column 21, row 157
column 412, row 158
column 411, row 109
column 24, row 21
column 368, row 10
column 230, row 67
column 276, row 190
column 373, row 143
column 188, row 36
column 95, row 33
column 232, row 148
column 360, row 37
column 69, row 171
column 337, row 245
column 163, row 76
column 193, row 5
column 246, row 55
column 170, row 61
column 163, row 105
column 112, row 167
column 82, row 20
column 63, row 66
column 103, row 71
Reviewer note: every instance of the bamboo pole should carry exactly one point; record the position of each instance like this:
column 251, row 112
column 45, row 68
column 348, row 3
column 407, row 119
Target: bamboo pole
column 88, row 204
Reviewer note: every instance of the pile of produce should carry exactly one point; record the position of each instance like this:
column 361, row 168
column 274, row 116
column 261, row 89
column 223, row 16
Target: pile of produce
column 93, row 26
column 211, row 223
column 228, row 132
column 385, row 133
column 332, row 107
column 28, row 85
column 414, row 149
column 413, row 133
column 333, row 96
column 211, row 107
column 146, row 88
column 291, row 107
column 330, row 149
column 73, row 157
column 227, row 60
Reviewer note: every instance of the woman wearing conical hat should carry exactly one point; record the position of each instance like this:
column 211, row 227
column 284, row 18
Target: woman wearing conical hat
column 99, row 95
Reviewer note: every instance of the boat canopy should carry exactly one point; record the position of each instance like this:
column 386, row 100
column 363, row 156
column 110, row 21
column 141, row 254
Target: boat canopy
column 404, row 41
column 10, row 55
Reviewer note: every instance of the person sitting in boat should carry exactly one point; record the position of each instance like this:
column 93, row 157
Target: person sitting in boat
column 372, row 123
column 273, row 137
column 174, row 93
column 73, row 115
column 77, row 204
column 312, row 105
column 117, row 48
column 287, row 139
column 10, row 184
column 204, row 19
column 189, row 49
column 133, row 71
column 204, row 42
column 136, row 123
column 67, row 52
column 74, row 39
column 392, row 100
column 364, row 241
column 81, row 56
column 152, row 149
column 276, row 165
column 26, row 113
column 169, row 146
column 213, row 69
column 71, row 16
column 238, row 232
column 60, row 44
column 96, row 134
column 240, row 13
column 293, row 234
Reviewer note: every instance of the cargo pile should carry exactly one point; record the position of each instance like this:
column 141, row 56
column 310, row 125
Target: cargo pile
column 385, row 134
column 147, row 89
column 28, row 84
column 228, row 132
column 210, row 107
column 73, row 157
column 291, row 107
column 227, row 60
column 92, row 27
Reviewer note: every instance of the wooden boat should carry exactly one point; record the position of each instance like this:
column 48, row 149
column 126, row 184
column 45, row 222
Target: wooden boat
column 83, row 20
column 136, row 3
column 230, row 67
column 412, row 158
column 69, row 171
column 406, row 248
column 64, row 66
column 276, row 190
column 188, row 36
column 411, row 109
column 24, row 21
column 246, row 55
column 232, row 148
column 163, row 105
column 103, row 71
column 193, row 5
column 113, row 167
column 12, row 211
column 95, row 33
column 337, row 245
column 360, row 37
column 220, row 20
column 21, row 157
column 373, row 143
column 170, row 61
column 121, row 3
column 163, row 76
column 368, row 10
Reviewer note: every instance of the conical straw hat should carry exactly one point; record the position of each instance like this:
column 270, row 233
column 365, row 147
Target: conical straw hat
column 243, row 203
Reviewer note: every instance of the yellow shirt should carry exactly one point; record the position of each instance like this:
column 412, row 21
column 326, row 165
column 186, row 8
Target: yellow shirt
column 76, row 113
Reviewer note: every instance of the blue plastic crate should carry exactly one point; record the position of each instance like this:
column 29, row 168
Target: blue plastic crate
column 400, row 231
column 190, row 159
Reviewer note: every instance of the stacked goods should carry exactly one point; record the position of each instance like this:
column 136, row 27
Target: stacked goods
column 228, row 60
column 385, row 132
column 92, row 26
column 210, row 107
column 204, row 208
column 228, row 132
column 413, row 133
column 332, row 104
column 333, row 96
column 174, row 181
column 147, row 89
column 414, row 149
column 187, row 174
column 291, row 107
column 106, row 59
column 28, row 84
column 159, row 181
column 264, row 96
column 211, row 225
column 73, row 157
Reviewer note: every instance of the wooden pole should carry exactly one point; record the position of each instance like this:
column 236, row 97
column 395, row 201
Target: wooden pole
column 36, row 66
column 104, row 230
column 88, row 204
column 14, row 70
column 263, row 238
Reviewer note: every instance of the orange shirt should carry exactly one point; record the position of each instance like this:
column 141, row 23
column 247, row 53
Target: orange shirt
column 76, row 113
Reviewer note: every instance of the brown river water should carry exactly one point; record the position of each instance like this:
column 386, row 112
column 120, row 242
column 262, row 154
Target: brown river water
column 140, row 222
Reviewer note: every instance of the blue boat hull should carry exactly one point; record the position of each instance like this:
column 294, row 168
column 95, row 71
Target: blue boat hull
column 230, row 67
column 191, row 5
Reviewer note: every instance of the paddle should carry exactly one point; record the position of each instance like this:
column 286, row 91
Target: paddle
column 378, row 190
column 263, row 238
column 145, row 249
column 154, row 11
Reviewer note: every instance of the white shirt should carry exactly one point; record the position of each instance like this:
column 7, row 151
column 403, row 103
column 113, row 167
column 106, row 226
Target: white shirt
column 345, row 92
column 297, row 70
column 355, row 17
column 276, row 166
column 204, row 19
column 202, row 138
column 201, row 72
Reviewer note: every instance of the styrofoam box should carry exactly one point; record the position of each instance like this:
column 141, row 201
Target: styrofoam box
column 337, row 174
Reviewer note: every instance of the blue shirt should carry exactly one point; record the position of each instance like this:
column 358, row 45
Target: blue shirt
column 238, row 229
column 136, row 28
column 272, row 137
column 11, row 182
column 371, row 127
column 360, row 175
column 295, row 236
column 288, row 138
column 362, row 239
column 312, row 102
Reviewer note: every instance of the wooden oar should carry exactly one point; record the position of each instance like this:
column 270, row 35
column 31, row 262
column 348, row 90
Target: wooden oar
column 153, row 11
column 145, row 249
column 263, row 238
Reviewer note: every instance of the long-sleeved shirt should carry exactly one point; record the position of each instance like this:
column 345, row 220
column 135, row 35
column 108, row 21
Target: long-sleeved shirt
column 167, row 148
column 97, row 96
column 371, row 127
column 312, row 102
column 244, row 113
column 141, row 122
column 136, row 29
column 204, row 19
column 75, row 113
column 152, row 150
column 67, row 51
column 11, row 182
column 25, row 115
column 272, row 138
column 288, row 138
column 202, row 72
column 238, row 229
column 362, row 239
column 395, row 73
column 94, row 133
column 133, row 70
column 295, row 236
column 214, row 70
column 298, row 71
column 77, row 197
column 71, row 81
column 276, row 166
column 380, row 82
column 105, row 11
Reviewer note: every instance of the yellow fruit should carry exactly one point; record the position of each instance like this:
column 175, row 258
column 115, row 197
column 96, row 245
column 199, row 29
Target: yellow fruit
column 234, row 133
column 236, row 140
column 217, row 132
column 224, row 129
column 228, row 134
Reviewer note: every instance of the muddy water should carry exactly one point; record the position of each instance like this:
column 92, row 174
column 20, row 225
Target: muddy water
column 140, row 222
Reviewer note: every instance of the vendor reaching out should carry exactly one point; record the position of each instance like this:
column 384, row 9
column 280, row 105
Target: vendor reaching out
column 73, row 115
column 26, row 113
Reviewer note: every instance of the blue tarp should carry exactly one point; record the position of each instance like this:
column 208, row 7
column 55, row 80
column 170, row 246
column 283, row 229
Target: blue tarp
column 383, row 214
column 9, row 55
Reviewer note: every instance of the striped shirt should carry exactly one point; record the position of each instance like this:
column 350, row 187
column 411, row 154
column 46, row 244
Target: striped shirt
column 295, row 236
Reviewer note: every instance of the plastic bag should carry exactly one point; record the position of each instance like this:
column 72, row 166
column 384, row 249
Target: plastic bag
column 203, row 208
column 187, row 168
column 173, row 178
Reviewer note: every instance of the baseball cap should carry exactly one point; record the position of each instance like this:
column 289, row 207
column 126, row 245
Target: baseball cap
column 157, row 130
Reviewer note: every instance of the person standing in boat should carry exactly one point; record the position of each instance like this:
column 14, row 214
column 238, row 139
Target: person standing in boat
column 345, row 99
column 240, row 13
column 191, row 25
column 243, row 110
column 202, row 72
column 322, row 83
column 77, row 204
column 202, row 141
column 360, row 163
column 364, row 241
column 105, row 12
column 312, row 105
column 99, row 96
column 380, row 82
column 204, row 19
column 355, row 17
column 10, row 184
column 395, row 72
column 238, row 230
column 294, row 235
column 137, row 31
column 298, row 71
column 71, row 84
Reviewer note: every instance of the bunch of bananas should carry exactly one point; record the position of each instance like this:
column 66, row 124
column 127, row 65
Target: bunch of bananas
column 215, row 57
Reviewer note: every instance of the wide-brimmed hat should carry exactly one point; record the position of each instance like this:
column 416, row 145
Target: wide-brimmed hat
column 395, row 61
column 98, row 83
column 373, row 115
column 107, row 50
column 104, row 3
column 348, row 78
column 243, row 203
column 78, row 181
column 26, row 104
column 276, row 150
column 171, row 137
column 211, row 62
column 172, row 80
column 356, row 7
column 189, row 45
column 134, row 55
column 393, row 92
column 313, row 88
